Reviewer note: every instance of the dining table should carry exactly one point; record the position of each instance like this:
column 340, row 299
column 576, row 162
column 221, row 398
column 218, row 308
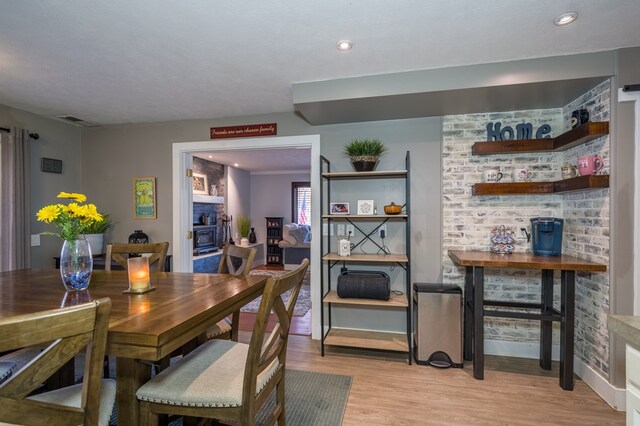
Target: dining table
column 143, row 328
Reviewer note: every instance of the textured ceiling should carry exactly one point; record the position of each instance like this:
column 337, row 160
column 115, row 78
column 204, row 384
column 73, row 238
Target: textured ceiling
column 123, row 61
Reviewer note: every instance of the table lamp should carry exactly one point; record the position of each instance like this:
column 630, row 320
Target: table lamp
column 139, row 280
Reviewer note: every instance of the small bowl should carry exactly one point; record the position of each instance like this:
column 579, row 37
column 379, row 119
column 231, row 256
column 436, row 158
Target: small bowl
column 392, row 209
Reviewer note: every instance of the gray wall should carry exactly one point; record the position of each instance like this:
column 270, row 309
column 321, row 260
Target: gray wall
column 113, row 155
column 57, row 140
column 271, row 196
column 238, row 197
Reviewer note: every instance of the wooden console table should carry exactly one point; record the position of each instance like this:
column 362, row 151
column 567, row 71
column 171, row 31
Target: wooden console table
column 474, row 304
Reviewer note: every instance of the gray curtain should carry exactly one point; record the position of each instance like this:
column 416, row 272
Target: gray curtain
column 15, row 211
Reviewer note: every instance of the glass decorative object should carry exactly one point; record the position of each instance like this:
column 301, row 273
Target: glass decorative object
column 252, row 236
column 76, row 264
column 139, row 278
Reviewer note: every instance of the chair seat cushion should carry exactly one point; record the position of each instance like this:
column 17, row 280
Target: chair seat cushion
column 221, row 327
column 71, row 395
column 210, row 376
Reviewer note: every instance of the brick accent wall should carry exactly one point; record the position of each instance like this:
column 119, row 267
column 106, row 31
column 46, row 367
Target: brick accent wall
column 468, row 220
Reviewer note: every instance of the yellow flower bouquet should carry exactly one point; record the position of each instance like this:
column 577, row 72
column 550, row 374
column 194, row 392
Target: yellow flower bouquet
column 72, row 219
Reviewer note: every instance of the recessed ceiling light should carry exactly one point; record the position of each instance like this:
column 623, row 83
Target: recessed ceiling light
column 211, row 156
column 565, row 18
column 235, row 164
column 344, row 45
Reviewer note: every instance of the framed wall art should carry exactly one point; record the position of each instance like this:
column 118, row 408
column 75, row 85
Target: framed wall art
column 200, row 184
column 365, row 206
column 144, row 198
column 339, row 208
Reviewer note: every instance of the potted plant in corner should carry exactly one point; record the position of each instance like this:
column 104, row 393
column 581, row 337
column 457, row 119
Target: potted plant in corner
column 94, row 233
column 243, row 222
column 364, row 153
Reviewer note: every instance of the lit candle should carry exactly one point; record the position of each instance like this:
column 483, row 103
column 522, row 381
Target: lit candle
column 138, row 273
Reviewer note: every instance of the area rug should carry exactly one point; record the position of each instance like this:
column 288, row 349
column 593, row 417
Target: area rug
column 312, row 399
column 303, row 304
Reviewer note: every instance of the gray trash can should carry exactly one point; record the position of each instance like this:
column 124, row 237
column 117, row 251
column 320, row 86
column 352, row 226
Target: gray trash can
column 437, row 312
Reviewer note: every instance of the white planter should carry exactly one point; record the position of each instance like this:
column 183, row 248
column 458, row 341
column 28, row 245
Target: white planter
column 96, row 241
column 244, row 242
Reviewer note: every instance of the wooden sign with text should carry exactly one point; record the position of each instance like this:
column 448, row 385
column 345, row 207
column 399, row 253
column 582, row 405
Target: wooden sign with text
column 244, row 131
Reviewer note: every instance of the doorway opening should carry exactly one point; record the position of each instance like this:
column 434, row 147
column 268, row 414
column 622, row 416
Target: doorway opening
column 183, row 154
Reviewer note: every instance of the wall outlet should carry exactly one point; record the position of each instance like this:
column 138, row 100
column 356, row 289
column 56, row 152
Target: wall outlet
column 350, row 229
column 383, row 228
column 35, row 240
column 341, row 229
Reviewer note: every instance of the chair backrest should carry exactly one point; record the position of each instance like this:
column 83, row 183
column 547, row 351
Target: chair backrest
column 263, row 353
column 67, row 331
column 236, row 260
column 120, row 253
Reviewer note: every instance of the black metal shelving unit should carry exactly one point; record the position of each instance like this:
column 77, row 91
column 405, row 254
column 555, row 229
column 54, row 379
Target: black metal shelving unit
column 369, row 339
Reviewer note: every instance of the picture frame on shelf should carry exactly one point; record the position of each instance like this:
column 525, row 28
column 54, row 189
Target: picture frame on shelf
column 199, row 184
column 144, row 198
column 365, row 207
column 339, row 208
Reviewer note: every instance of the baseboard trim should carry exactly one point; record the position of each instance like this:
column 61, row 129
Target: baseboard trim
column 615, row 397
column 518, row 349
column 612, row 395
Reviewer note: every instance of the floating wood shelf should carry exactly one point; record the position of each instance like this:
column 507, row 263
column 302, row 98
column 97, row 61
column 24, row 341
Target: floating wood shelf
column 395, row 300
column 360, row 257
column 580, row 183
column 367, row 339
column 574, row 137
column 366, row 175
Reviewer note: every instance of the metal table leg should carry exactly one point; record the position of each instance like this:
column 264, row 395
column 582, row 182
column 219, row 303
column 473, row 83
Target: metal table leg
column 567, row 309
column 546, row 327
column 478, row 322
column 468, row 313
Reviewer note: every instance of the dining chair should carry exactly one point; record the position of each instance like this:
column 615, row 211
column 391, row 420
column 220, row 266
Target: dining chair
column 65, row 332
column 120, row 253
column 223, row 379
column 235, row 260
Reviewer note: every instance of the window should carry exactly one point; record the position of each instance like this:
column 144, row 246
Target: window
column 301, row 203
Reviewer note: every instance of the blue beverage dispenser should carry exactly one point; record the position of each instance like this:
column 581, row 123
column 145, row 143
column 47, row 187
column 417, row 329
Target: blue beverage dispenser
column 546, row 236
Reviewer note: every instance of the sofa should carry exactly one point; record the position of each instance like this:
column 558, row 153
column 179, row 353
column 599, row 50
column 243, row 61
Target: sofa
column 296, row 243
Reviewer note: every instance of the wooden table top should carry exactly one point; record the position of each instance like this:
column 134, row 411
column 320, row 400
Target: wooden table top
column 146, row 326
column 523, row 260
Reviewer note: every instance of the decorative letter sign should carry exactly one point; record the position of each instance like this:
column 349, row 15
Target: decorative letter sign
column 244, row 131
column 523, row 131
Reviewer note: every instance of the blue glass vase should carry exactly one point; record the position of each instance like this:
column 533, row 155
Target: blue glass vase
column 76, row 264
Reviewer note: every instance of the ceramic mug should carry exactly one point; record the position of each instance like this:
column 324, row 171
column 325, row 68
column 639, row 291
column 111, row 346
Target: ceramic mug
column 522, row 175
column 578, row 117
column 589, row 165
column 492, row 175
column 569, row 171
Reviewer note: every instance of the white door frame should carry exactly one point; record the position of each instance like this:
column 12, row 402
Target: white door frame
column 635, row 97
column 182, row 155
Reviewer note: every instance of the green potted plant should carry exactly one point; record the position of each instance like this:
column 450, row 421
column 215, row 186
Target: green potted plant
column 364, row 153
column 94, row 233
column 243, row 223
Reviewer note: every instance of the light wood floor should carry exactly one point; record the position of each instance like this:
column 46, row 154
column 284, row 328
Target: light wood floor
column 387, row 391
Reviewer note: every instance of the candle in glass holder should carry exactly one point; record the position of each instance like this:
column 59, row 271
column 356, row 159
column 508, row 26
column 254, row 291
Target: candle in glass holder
column 138, row 268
